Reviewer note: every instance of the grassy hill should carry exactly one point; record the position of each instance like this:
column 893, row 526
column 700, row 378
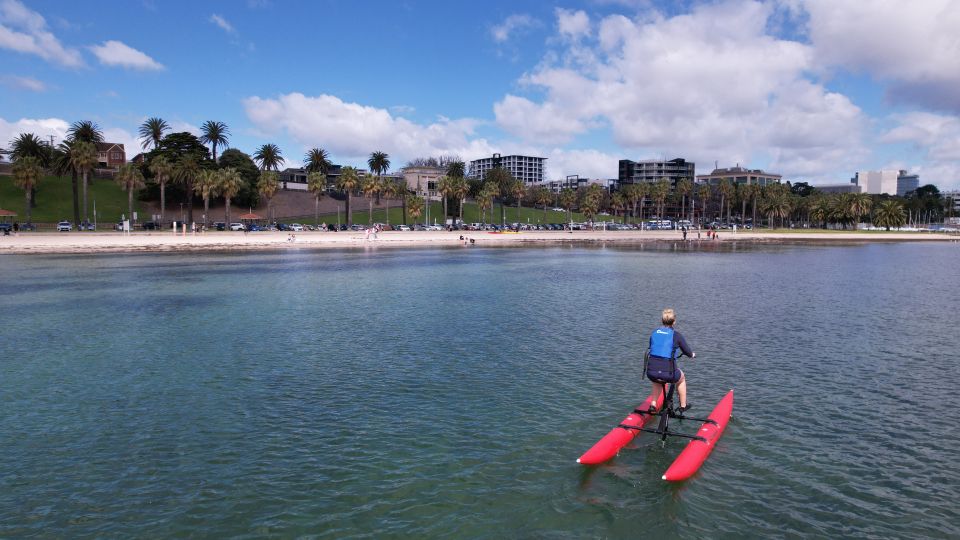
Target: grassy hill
column 471, row 214
column 55, row 200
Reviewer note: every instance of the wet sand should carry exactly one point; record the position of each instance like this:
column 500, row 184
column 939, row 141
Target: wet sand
column 155, row 241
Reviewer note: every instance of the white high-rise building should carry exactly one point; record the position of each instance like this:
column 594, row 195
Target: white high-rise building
column 528, row 169
column 877, row 182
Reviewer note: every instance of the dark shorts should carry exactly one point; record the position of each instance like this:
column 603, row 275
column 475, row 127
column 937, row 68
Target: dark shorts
column 662, row 370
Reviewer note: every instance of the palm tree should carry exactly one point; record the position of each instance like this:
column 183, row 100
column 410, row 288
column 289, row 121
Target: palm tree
column 84, row 131
column 567, row 199
column 743, row 194
column 214, row 134
column 889, row 213
column 840, row 208
column 348, row 182
column 726, row 190
column 130, row 179
column 267, row 185
column 62, row 164
column 415, row 205
column 268, row 157
column 455, row 169
column 84, row 158
column 230, row 184
column 485, row 199
column 684, row 189
column 860, row 206
column 634, row 193
column 390, row 190
column 186, row 172
column 541, row 195
column 618, row 203
column 379, row 162
column 370, row 187
column 29, row 145
column 590, row 204
column 402, row 190
column 445, row 187
column 460, row 190
column 518, row 190
column 162, row 171
column 659, row 192
column 820, row 211
column 316, row 183
column 704, row 192
column 207, row 185
column 317, row 160
column 151, row 131
column 777, row 204
column 26, row 174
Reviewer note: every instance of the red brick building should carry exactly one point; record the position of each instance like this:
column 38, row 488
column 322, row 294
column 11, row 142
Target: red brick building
column 110, row 155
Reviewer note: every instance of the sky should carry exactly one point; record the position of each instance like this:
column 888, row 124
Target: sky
column 814, row 90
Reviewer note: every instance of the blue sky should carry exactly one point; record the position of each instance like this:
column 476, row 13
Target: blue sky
column 811, row 89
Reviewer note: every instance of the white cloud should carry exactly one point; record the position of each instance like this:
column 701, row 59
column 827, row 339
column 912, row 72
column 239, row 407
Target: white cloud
column 512, row 24
column 222, row 23
column 25, row 31
column 116, row 53
column 707, row 85
column 936, row 138
column 912, row 45
column 352, row 131
column 24, row 83
column 572, row 24
column 41, row 127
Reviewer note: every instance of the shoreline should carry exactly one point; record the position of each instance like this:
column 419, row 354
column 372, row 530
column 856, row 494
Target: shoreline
column 166, row 242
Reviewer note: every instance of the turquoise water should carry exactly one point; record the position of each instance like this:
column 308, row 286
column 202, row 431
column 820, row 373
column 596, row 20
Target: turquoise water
column 448, row 392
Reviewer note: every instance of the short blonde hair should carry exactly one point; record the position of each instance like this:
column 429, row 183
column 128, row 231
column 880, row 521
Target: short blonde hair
column 668, row 317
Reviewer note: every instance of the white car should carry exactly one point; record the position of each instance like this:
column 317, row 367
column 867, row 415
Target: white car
column 403, row 227
column 296, row 227
column 64, row 226
column 237, row 227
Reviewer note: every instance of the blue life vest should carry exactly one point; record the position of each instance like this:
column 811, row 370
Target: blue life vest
column 661, row 343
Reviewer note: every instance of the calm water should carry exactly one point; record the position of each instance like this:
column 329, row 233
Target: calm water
column 439, row 393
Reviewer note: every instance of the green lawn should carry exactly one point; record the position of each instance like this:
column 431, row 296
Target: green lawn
column 471, row 214
column 55, row 200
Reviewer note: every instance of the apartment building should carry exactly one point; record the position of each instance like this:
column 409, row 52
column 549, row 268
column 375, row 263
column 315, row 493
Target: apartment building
column 528, row 169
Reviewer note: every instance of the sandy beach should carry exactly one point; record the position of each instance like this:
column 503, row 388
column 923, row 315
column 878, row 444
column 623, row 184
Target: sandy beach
column 111, row 242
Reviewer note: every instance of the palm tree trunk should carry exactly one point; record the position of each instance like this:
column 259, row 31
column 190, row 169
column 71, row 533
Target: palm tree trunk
column 27, row 212
column 214, row 155
column 544, row 212
column 316, row 209
column 461, row 210
column 130, row 199
column 227, row 209
column 503, row 213
column 206, row 209
column 76, row 198
column 349, row 213
column 444, row 207
column 370, row 215
column 190, row 201
column 403, row 200
column 163, row 201
column 85, row 214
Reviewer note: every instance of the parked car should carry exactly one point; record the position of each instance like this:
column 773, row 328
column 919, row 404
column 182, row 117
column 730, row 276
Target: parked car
column 64, row 226
column 403, row 227
column 296, row 227
column 28, row 227
column 6, row 227
column 220, row 226
column 253, row 227
column 150, row 225
column 237, row 227
column 86, row 226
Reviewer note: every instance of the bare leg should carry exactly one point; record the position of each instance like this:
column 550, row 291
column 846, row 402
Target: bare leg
column 682, row 390
column 656, row 393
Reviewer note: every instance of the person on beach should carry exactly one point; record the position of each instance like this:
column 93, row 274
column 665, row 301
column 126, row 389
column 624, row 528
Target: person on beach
column 662, row 360
column 684, row 229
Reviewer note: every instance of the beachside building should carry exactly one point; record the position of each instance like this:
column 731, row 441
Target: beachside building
column 739, row 175
column 423, row 180
column 907, row 183
column 877, row 182
column 849, row 187
column 110, row 155
column 528, row 169
column 652, row 171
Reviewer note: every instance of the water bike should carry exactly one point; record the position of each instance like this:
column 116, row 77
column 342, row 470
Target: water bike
column 692, row 456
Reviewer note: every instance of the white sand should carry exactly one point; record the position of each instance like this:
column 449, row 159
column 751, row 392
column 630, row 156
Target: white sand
column 94, row 242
